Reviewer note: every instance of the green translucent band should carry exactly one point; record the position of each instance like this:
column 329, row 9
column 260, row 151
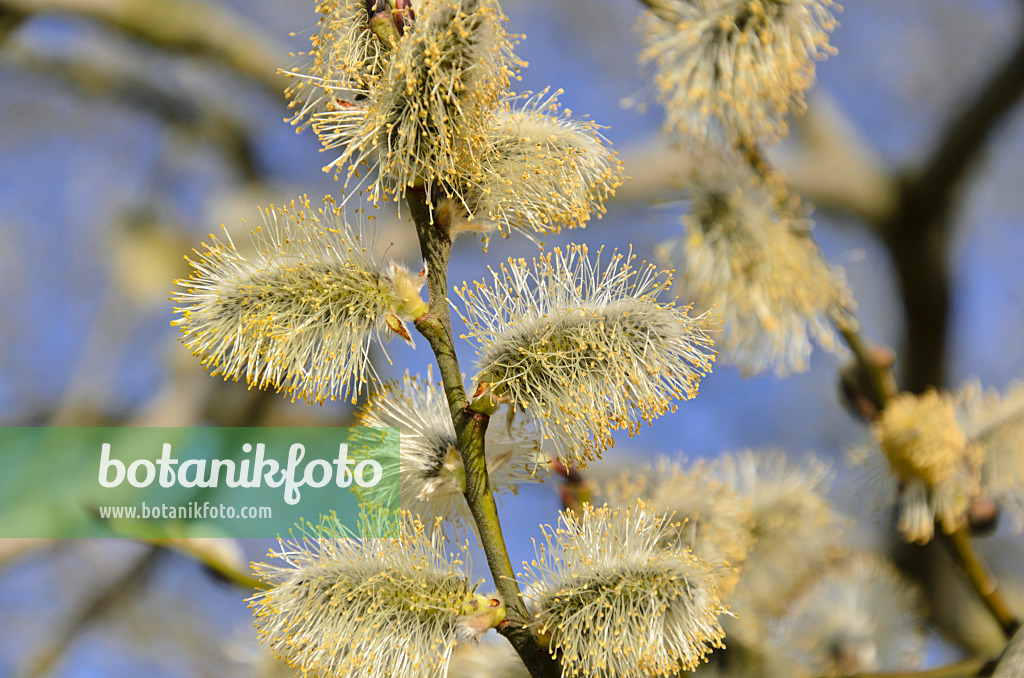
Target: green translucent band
column 201, row 481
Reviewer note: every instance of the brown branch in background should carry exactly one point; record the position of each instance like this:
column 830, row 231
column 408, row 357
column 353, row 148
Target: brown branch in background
column 189, row 115
column 834, row 168
column 918, row 232
column 975, row 666
column 830, row 166
column 197, row 28
column 9, row 21
column 56, row 643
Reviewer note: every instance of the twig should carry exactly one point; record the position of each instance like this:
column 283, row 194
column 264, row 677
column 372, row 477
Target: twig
column 470, row 426
column 185, row 25
column 982, row 580
column 975, row 666
column 57, row 642
column 834, row 168
column 881, row 390
column 190, row 549
column 874, row 375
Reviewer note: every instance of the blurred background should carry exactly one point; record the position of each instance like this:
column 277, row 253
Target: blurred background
column 130, row 129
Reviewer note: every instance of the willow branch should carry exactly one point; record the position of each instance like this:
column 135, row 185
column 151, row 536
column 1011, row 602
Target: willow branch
column 982, row 580
column 874, row 375
column 968, row 133
column 192, row 549
column 470, row 426
column 121, row 83
column 834, row 168
column 183, row 25
column 831, row 165
column 917, row 233
column 975, row 666
column 105, row 597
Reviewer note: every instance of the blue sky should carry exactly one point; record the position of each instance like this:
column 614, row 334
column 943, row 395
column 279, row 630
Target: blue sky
column 76, row 169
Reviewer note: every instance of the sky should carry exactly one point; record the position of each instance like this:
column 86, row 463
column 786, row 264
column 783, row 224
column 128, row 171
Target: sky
column 85, row 308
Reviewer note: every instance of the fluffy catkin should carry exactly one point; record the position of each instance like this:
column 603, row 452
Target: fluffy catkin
column 584, row 348
column 298, row 314
column 614, row 602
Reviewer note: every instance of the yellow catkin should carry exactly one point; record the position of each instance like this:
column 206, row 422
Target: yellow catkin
column 584, row 347
column 921, row 438
column 737, row 67
column 753, row 258
column 603, row 580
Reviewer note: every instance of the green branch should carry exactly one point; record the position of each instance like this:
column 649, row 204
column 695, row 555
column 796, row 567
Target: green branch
column 975, row 666
column 880, row 387
column 470, row 426
column 192, row 548
column 982, row 580
column 875, row 377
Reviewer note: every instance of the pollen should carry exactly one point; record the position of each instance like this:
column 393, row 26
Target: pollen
column 737, row 67
column 615, row 602
column 921, row 438
column 297, row 314
column 373, row 607
column 585, row 348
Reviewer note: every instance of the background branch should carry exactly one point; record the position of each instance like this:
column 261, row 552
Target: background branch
column 917, row 233
column 982, row 580
column 975, row 666
column 45, row 658
column 196, row 28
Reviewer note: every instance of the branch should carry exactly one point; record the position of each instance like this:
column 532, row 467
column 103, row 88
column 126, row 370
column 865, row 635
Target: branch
column 470, row 426
column 124, row 85
column 917, row 233
column 834, row 168
column 57, row 641
column 982, row 580
column 968, row 133
column 183, row 25
column 203, row 550
column 975, row 666
column 9, row 21
column 875, row 377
